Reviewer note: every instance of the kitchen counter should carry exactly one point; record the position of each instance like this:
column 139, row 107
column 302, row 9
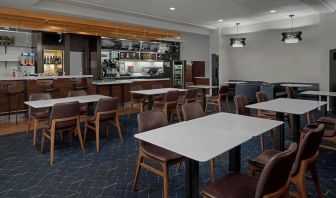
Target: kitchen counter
column 44, row 77
column 129, row 81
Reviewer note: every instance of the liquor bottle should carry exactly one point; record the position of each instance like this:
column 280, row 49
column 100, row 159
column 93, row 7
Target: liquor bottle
column 48, row 60
column 44, row 60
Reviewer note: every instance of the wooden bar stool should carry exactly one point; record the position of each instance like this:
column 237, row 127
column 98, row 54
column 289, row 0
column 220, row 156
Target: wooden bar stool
column 78, row 84
column 106, row 112
column 10, row 90
column 47, row 86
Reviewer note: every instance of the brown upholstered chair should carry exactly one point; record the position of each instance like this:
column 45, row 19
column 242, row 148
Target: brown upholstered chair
column 47, row 86
column 64, row 117
column 106, row 112
column 222, row 96
column 199, row 91
column 305, row 160
column 329, row 133
column 148, row 152
column 78, row 84
column 290, row 92
column 137, row 100
column 159, row 97
column 273, row 182
column 189, row 96
column 241, row 102
column 84, row 106
column 37, row 115
column 169, row 105
column 192, row 111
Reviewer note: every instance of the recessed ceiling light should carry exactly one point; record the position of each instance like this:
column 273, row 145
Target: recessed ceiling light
column 272, row 11
column 220, row 20
column 172, row 8
column 178, row 38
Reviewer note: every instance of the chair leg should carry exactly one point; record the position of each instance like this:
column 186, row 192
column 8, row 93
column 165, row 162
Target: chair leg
column 137, row 171
column 119, row 130
column 35, row 131
column 273, row 139
column 219, row 105
column 262, row 145
column 171, row 115
column 85, row 131
column 43, row 141
column 28, row 126
column 228, row 105
column 97, row 136
column 178, row 113
column 212, row 170
column 206, row 108
column 52, row 146
column 290, row 126
column 314, row 174
column 106, row 130
column 130, row 111
column 165, row 169
column 80, row 136
column 142, row 107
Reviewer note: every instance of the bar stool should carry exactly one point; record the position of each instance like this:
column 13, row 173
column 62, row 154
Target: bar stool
column 11, row 90
column 47, row 86
column 78, row 84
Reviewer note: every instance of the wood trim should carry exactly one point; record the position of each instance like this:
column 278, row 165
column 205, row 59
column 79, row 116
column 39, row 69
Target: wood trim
column 17, row 18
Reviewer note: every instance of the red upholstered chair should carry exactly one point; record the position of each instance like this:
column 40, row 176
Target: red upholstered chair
column 306, row 159
column 148, row 152
column 273, row 182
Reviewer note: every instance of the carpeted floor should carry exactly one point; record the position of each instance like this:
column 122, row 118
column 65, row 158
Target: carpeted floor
column 25, row 172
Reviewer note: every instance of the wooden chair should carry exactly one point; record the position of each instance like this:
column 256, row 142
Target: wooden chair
column 222, row 96
column 47, row 86
column 106, row 112
column 148, row 152
column 199, row 92
column 83, row 106
column 35, row 116
column 273, row 182
column 306, row 159
column 136, row 100
column 159, row 97
column 290, row 92
column 169, row 105
column 192, row 111
column 78, row 84
column 189, row 96
column 241, row 102
column 64, row 117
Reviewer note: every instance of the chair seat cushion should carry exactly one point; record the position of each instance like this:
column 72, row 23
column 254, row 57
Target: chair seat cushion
column 327, row 121
column 160, row 153
column 40, row 114
column 263, row 158
column 328, row 132
column 158, row 105
column 232, row 185
column 266, row 116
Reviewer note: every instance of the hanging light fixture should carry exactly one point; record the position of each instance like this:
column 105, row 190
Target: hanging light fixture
column 291, row 37
column 237, row 42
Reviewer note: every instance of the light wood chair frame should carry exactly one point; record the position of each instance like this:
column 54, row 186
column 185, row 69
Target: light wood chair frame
column 218, row 102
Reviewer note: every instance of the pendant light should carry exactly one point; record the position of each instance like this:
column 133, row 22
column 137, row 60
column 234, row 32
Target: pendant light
column 291, row 37
column 237, row 42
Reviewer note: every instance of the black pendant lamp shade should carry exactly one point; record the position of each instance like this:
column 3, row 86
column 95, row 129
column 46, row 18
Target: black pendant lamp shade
column 237, row 42
column 291, row 37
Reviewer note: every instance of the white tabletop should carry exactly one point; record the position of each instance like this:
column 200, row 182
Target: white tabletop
column 234, row 82
column 319, row 93
column 205, row 138
column 156, row 91
column 287, row 105
column 202, row 86
column 51, row 102
column 295, row 85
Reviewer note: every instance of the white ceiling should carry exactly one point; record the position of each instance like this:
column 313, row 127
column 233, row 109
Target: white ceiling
column 202, row 14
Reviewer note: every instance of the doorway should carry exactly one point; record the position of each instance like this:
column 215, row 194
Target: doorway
column 77, row 60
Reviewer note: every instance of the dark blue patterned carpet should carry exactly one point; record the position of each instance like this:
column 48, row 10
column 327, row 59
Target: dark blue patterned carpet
column 25, row 172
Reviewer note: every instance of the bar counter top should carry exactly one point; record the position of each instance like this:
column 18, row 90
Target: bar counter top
column 129, row 81
column 44, row 77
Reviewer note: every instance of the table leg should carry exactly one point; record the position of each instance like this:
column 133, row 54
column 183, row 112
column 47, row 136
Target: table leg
column 234, row 159
column 281, row 134
column 150, row 102
column 192, row 178
column 204, row 98
column 324, row 107
column 110, row 90
column 296, row 128
column 122, row 95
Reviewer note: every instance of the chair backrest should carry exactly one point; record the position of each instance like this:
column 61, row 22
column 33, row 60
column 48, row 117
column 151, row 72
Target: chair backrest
column 77, row 93
column 190, row 95
column 290, row 92
column 107, row 107
column 261, row 96
column 63, row 111
column 192, row 111
column 241, row 101
column 187, row 84
column 157, row 86
column 172, row 96
column 309, row 146
column 45, row 83
column 137, row 88
column 223, row 92
column 150, row 120
column 38, row 96
column 275, row 175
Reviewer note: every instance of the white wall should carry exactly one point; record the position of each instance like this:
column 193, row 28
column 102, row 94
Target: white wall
column 195, row 47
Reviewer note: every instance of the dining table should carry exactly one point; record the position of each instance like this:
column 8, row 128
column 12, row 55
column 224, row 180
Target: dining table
column 323, row 96
column 295, row 87
column 202, row 139
column 204, row 89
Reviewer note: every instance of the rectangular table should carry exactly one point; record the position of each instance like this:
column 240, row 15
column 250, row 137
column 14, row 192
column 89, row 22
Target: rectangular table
column 152, row 92
column 324, row 95
column 203, row 88
column 296, row 107
column 51, row 102
column 202, row 139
